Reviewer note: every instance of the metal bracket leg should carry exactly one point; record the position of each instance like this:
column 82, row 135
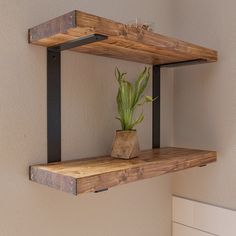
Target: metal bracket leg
column 54, row 92
column 54, row 105
column 156, row 106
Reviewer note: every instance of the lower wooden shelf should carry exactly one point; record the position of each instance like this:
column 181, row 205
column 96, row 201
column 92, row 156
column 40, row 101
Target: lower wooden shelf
column 100, row 173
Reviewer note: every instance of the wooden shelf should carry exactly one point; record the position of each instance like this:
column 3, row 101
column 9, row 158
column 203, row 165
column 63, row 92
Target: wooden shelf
column 86, row 33
column 99, row 173
column 123, row 42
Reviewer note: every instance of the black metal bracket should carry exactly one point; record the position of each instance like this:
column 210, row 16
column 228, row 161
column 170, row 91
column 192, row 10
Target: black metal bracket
column 101, row 190
column 78, row 42
column 183, row 63
column 54, row 93
column 202, row 165
column 54, row 96
column 156, row 106
column 54, row 105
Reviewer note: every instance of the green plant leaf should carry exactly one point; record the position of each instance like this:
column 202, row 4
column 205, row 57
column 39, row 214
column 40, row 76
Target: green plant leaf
column 139, row 120
column 140, row 85
column 148, row 99
column 129, row 96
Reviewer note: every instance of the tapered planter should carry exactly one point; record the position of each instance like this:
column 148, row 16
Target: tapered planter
column 125, row 144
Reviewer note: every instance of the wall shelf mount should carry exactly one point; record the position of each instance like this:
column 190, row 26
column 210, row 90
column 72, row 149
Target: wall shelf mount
column 86, row 33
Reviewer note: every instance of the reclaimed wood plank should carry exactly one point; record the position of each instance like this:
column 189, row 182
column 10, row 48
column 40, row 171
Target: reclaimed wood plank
column 123, row 42
column 95, row 174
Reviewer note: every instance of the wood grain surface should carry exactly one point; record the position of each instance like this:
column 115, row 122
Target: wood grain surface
column 95, row 174
column 123, row 42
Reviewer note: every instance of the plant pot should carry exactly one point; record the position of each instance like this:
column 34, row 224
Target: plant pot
column 125, row 144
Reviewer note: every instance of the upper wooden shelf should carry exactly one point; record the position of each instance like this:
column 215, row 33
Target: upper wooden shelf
column 99, row 173
column 123, row 41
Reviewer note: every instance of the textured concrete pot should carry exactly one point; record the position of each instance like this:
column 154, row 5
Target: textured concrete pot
column 125, row 144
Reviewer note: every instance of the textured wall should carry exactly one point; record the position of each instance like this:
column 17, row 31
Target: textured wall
column 205, row 100
column 88, row 124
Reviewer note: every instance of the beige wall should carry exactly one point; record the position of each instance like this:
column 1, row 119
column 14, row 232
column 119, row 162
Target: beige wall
column 88, row 124
column 205, row 100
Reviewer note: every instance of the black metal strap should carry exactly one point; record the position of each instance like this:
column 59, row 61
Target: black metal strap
column 156, row 106
column 78, row 42
column 54, row 105
column 54, row 93
column 184, row 63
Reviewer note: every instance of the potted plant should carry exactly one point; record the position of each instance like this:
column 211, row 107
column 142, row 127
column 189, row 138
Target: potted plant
column 129, row 98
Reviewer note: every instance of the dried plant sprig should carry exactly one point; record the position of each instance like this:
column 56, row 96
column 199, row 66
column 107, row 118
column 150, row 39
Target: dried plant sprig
column 140, row 26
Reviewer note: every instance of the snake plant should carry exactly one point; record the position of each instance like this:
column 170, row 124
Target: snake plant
column 130, row 96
